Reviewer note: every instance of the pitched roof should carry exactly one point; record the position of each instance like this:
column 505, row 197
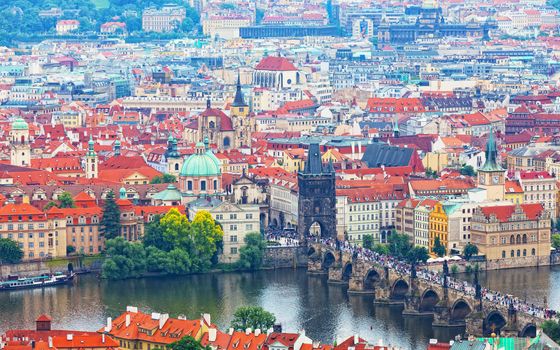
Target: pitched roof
column 274, row 63
column 504, row 212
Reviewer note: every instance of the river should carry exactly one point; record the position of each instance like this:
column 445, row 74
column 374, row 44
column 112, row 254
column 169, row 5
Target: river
column 299, row 301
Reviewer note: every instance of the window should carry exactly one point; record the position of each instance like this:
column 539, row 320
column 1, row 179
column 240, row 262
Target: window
column 233, row 227
column 233, row 250
column 233, row 216
column 233, row 238
column 189, row 185
column 249, row 227
column 20, row 235
column 512, row 253
column 248, row 216
column 203, row 185
column 533, row 251
column 503, row 254
column 219, row 217
column 30, row 235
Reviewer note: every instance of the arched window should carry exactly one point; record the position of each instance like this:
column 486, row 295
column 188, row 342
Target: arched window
column 512, row 240
column 518, row 253
column 203, row 185
column 227, row 142
column 211, row 125
column 512, row 253
column 533, row 251
column 176, row 166
column 189, row 185
column 524, row 238
column 503, row 254
column 524, row 252
column 215, row 185
column 518, row 240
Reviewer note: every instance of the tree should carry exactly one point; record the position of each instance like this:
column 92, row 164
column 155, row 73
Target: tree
column 431, row 173
column 399, row 245
column 254, row 317
column 66, row 200
column 417, row 254
column 50, row 205
column 206, row 235
column 124, row 259
column 382, row 249
column 556, row 240
column 188, row 343
column 252, row 253
column 111, row 220
column 367, row 241
column 467, row 170
column 469, row 250
column 163, row 179
column 552, row 329
column 439, row 248
column 10, row 252
column 70, row 249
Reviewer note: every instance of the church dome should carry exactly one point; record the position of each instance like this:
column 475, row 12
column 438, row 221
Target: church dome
column 20, row 124
column 202, row 163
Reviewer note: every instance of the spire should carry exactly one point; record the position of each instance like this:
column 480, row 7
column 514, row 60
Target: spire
column 208, row 103
column 396, row 127
column 238, row 101
column 313, row 165
column 491, row 163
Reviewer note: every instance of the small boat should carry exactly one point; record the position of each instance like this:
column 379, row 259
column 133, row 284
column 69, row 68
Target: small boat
column 15, row 282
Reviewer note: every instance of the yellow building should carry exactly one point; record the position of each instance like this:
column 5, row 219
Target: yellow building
column 135, row 330
column 438, row 223
column 513, row 192
column 436, row 161
column 292, row 161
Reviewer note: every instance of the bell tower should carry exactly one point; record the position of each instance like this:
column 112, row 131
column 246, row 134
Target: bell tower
column 92, row 162
column 240, row 117
column 491, row 176
column 20, row 149
column 174, row 161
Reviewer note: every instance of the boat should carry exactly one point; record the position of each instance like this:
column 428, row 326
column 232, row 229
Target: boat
column 46, row 280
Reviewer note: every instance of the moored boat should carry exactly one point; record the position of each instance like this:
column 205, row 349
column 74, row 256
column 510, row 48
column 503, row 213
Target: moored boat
column 15, row 282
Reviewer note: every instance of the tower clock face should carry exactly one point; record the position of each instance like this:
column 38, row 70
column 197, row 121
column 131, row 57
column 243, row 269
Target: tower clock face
column 495, row 179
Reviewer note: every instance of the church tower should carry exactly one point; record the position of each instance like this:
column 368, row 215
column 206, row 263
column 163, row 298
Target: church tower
column 240, row 117
column 92, row 162
column 20, row 153
column 117, row 148
column 174, row 161
column 491, row 176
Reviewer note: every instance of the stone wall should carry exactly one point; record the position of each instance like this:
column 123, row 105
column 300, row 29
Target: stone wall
column 528, row 261
column 34, row 268
column 276, row 257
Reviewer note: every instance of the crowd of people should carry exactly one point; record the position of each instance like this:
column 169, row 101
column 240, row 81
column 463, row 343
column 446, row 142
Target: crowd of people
column 285, row 238
column 438, row 278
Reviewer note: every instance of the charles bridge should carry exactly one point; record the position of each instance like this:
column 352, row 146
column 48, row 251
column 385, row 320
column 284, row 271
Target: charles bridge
column 420, row 296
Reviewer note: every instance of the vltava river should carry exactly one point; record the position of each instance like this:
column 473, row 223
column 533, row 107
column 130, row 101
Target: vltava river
column 299, row 301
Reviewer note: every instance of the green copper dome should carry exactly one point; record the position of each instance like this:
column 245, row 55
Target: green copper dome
column 20, row 124
column 202, row 163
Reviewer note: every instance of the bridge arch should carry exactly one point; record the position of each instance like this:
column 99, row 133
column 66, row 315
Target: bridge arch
column 428, row 300
column 371, row 278
column 328, row 260
column 460, row 310
column 311, row 251
column 399, row 289
column 530, row 330
column 493, row 323
column 347, row 272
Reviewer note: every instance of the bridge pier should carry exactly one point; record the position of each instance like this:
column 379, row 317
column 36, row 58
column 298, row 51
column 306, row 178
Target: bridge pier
column 335, row 275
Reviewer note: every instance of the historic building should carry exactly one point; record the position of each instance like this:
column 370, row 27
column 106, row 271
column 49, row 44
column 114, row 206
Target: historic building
column 317, row 196
column 491, row 176
column 20, row 149
column 201, row 175
column 215, row 125
column 237, row 220
column 429, row 23
column 438, row 223
column 91, row 161
column 276, row 73
column 242, row 124
column 513, row 235
column 539, row 187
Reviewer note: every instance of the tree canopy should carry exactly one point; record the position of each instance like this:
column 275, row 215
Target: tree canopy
column 552, row 329
column 467, row 170
column 164, row 179
column 10, row 252
column 469, row 250
column 555, row 241
column 438, row 248
column 188, row 343
column 367, row 241
column 254, row 317
column 66, row 200
column 252, row 253
column 124, row 259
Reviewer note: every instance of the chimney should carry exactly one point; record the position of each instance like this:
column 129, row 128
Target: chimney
column 248, row 331
column 69, row 336
column 302, row 332
column 50, row 342
column 162, row 319
column 181, row 317
column 127, row 320
column 257, row 332
column 109, row 325
column 207, row 319
column 353, row 150
column 356, row 339
column 230, row 332
column 132, row 309
column 103, row 338
column 212, row 333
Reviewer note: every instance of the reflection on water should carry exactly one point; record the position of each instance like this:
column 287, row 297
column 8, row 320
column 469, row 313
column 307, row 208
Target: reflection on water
column 299, row 301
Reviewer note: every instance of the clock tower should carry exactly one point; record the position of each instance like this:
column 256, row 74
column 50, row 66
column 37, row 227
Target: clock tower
column 491, row 176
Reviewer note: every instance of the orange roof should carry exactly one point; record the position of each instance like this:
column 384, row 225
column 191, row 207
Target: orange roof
column 162, row 332
column 20, row 209
column 504, row 212
column 436, row 184
column 244, row 341
column 275, row 64
column 512, row 187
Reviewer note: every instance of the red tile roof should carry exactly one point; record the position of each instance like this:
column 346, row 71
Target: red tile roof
column 504, row 212
column 273, row 63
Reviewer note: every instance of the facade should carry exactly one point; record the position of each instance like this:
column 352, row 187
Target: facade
column 237, row 220
column 82, row 228
column 276, row 73
column 213, row 124
column 512, row 236
column 422, row 222
column 163, row 20
column 201, row 174
column 225, row 27
column 539, row 187
column 38, row 234
column 439, row 226
column 65, row 26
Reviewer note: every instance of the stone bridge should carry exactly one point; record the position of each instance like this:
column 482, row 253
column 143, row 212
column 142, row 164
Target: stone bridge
column 449, row 307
